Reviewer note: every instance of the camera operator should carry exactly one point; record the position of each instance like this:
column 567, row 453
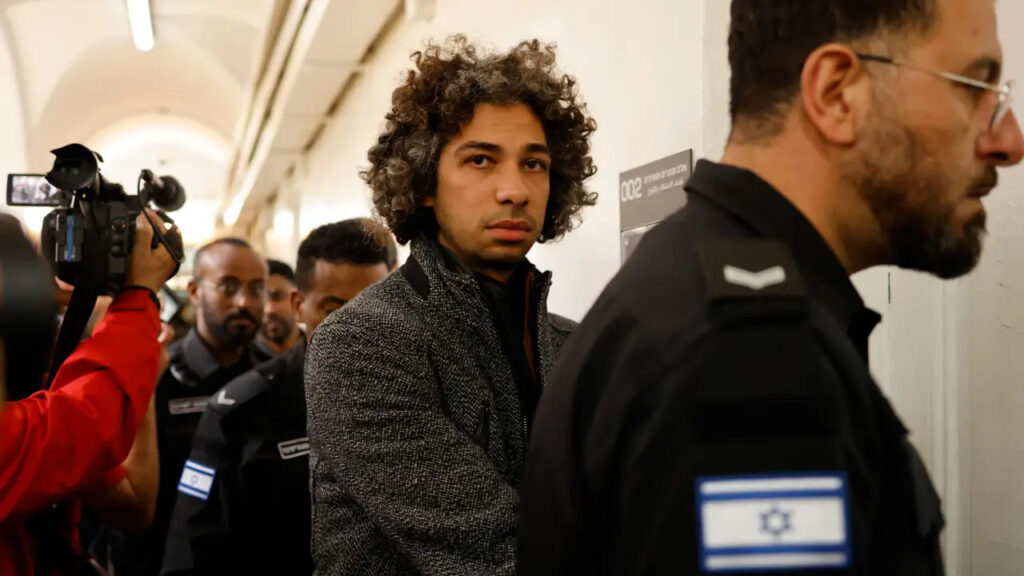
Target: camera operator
column 58, row 442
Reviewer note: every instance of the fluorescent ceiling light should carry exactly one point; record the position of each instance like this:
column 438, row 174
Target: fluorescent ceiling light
column 234, row 210
column 141, row 23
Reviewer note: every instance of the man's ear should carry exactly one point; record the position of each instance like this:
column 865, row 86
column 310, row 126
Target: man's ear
column 427, row 201
column 298, row 298
column 836, row 93
column 193, row 292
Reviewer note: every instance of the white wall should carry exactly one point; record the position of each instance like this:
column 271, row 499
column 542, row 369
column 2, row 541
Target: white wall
column 638, row 65
column 994, row 346
column 12, row 128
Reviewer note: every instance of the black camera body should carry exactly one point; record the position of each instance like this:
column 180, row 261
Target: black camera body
column 97, row 226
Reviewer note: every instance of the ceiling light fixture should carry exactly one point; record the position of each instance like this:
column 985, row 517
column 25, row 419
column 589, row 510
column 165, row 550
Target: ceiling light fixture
column 141, row 23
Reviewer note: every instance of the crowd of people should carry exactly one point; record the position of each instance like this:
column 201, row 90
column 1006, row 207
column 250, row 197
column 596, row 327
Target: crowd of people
column 713, row 412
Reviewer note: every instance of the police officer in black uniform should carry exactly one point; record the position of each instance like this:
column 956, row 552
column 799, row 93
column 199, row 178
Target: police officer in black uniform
column 714, row 412
column 243, row 505
column 228, row 295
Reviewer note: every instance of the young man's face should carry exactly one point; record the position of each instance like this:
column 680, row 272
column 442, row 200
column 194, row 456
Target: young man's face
column 278, row 316
column 929, row 152
column 228, row 293
column 332, row 285
column 493, row 182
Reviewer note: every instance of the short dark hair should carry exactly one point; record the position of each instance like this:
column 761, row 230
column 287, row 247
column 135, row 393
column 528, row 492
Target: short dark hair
column 769, row 41
column 355, row 241
column 201, row 252
column 440, row 97
column 278, row 268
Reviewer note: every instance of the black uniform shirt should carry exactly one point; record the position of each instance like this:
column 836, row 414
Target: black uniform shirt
column 181, row 398
column 243, row 502
column 714, row 412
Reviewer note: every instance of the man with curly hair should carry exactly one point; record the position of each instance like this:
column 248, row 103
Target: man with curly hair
column 421, row 391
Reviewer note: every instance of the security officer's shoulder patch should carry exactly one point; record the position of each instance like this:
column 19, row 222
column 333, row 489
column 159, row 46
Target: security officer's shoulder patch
column 238, row 392
column 196, row 480
column 774, row 522
column 749, row 268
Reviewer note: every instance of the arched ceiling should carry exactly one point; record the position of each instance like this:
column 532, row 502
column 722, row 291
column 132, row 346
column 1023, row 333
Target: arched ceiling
column 231, row 94
column 82, row 80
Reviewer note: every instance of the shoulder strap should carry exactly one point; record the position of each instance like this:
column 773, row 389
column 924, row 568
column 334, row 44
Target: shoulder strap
column 747, row 268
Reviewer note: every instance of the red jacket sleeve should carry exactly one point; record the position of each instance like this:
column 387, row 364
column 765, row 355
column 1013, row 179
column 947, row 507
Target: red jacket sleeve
column 56, row 442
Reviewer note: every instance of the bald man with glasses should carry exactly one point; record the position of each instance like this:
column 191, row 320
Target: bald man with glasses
column 228, row 292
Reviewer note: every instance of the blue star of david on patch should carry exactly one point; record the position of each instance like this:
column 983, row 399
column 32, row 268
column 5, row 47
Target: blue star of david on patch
column 776, row 521
column 780, row 522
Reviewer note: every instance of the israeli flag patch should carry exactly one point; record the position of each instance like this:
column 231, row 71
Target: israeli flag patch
column 196, row 480
column 773, row 522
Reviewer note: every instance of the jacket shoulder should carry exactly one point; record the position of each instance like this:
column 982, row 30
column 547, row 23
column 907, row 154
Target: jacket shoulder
column 561, row 324
column 387, row 306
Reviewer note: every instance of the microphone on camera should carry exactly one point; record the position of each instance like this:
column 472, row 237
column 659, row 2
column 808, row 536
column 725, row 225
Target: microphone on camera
column 165, row 191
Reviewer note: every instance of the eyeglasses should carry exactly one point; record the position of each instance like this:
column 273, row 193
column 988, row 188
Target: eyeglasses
column 1004, row 91
column 230, row 287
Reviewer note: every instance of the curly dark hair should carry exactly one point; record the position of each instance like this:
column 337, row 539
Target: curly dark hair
column 438, row 99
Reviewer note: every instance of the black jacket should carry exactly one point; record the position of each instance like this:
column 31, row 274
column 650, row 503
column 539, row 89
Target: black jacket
column 714, row 411
column 254, row 517
column 181, row 398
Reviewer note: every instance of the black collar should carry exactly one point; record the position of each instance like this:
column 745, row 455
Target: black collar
column 769, row 214
column 200, row 359
column 487, row 284
column 263, row 348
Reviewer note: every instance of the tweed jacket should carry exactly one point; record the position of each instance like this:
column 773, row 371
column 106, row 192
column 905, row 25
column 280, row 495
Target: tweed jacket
column 417, row 434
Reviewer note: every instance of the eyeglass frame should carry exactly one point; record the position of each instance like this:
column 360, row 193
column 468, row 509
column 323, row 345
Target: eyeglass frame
column 1002, row 109
column 220, row 286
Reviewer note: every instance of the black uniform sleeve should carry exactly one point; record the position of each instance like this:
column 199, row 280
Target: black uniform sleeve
column 746, row 461
column 733, row 453
column 199, row 539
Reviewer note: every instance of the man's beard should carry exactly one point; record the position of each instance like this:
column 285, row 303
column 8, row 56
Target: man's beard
column 276, row 329
column 907, row 189
column 231, row 334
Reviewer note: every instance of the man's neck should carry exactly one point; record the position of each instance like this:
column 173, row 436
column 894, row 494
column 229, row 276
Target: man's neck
column 285, row 346
column 224, row 355
column 799, row 171
column 501, row 275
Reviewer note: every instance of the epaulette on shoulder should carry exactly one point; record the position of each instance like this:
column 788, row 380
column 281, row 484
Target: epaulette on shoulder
column 747, row 268
column 239, row 391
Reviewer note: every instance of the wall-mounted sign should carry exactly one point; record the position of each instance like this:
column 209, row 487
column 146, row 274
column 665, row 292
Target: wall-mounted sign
column 650, row 193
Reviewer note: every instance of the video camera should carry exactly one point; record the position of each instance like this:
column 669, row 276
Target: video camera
column 88, row 239
column 94, row 226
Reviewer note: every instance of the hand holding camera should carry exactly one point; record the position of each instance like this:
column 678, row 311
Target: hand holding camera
column 149, row 266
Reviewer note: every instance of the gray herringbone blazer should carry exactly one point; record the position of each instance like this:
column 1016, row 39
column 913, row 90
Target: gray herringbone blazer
column 417, row 435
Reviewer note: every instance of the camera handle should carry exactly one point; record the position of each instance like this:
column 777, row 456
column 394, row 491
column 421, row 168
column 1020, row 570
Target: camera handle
column 88, row 286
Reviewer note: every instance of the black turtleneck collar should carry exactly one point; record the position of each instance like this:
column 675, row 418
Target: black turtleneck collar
column 513, row 315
